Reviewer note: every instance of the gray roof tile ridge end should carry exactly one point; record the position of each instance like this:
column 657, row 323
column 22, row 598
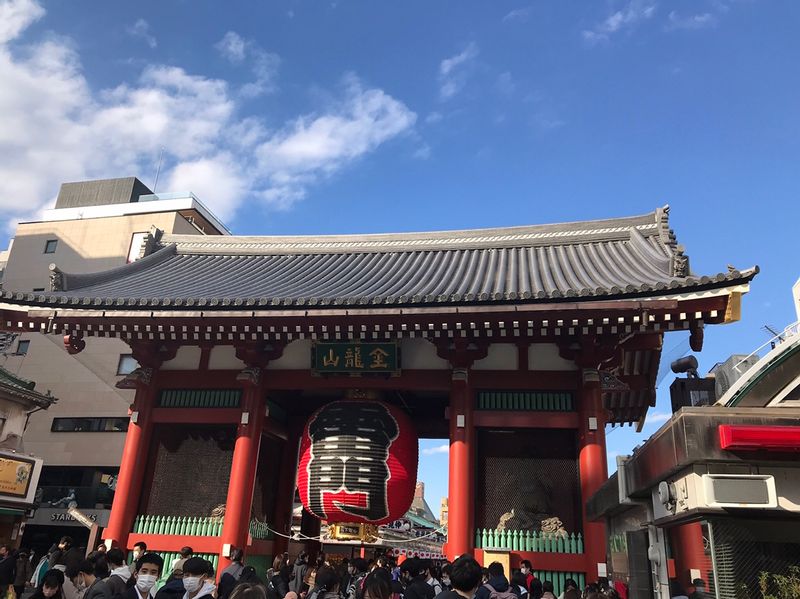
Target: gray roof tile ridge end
column 74, row 281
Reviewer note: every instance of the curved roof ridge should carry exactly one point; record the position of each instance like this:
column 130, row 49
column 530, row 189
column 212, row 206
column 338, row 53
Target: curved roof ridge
column 614, row 229
column 73, row 281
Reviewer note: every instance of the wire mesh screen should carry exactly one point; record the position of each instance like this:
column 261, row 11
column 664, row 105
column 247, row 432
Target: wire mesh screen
column 191, row 469
column 755, row 559
column 533, row 472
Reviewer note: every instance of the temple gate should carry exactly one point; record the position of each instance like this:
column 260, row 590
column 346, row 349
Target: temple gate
column 519, row 345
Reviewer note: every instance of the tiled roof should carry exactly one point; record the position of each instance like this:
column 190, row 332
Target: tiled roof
column 624, row 257
column 14, row 387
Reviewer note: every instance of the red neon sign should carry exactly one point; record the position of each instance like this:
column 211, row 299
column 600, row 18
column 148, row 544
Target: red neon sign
column 754, row 438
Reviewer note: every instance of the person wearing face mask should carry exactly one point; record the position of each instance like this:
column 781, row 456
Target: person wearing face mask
column 148, row 569
column 446, row 571
column 198, row 578
column 51, row 587
column 88, row 585
column 139, row 549
column 525, row 568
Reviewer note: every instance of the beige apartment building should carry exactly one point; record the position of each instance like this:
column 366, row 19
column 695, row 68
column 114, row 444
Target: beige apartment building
column 95, row 225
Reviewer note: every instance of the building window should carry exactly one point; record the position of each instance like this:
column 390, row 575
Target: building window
column 22, row 347
column 50, row 246
column 126, row 364
column 89, row 425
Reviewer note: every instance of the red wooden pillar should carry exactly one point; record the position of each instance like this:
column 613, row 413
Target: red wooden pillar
column 462, row 467
column 287, row 483
column 592, row 465
column 134, row 457
column 236, row 526
column 689, row 552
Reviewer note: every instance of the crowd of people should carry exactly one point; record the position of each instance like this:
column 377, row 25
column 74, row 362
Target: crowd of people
column 66, row 573
column 384, row 578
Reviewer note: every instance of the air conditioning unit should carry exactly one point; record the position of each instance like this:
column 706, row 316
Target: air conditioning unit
column 731, row 370
column 740, row 490
column 699, row 490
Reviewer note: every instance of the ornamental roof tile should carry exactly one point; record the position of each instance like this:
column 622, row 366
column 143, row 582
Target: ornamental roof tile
column 623, row 257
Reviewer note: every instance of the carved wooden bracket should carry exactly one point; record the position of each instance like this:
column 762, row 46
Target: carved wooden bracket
column 250, row 375
column 141, row 377
column 589, row 351
column 74, row 343
column 461, row 352
column 152, row 354
column 259, row 354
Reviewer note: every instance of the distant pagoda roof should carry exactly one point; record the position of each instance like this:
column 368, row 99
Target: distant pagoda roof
column 632, row 257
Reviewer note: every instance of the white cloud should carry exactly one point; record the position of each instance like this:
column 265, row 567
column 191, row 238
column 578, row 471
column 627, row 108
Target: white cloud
column 698, row 21
column 56, row 129
column 314, row 146
column 264, row 64
column 423, row 152
column 16, row 16
column 433, row 117
column 656, row 418
column 628, row 17
column 518, row 14
column 443, row 448
column 505, row 84
column 453, row 71
column 231, row 46
column 141, row 29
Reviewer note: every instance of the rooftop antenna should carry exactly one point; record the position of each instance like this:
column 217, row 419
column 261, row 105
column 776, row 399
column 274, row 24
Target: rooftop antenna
column 158, row 169
column 775, row 335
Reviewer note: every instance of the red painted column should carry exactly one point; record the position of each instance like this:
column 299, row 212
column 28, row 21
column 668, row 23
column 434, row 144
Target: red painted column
column 462, row 433
column 592, row 465
column 287, row 483
column 134, row 461
column 689, row 552
column 236, row 526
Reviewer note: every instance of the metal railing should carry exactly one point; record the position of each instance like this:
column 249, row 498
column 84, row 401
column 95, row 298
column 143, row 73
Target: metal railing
column 789, row 333
column 559, row 579
column 189, row 526
column 529, row 540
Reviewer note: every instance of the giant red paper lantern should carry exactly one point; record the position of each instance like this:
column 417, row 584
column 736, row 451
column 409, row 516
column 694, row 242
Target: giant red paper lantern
column 358, row 462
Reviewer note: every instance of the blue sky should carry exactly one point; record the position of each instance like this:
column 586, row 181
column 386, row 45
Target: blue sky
column 335, row 117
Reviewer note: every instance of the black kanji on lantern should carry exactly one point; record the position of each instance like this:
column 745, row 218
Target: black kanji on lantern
column 349, row 452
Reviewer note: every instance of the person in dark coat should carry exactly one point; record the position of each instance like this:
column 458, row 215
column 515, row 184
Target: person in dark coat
column 416, row 577
column 466, row 576
column 497, row 581
column 280, row 582
column 198, row 578
column 172, row 590
column 299, row 573
column 51, row 587
column 519, row 585
column 24, row 572
column 83, row 577
column 65, row 554
column 147, row 570
column 117, row 580
column 230, row 575
column 8, row 568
